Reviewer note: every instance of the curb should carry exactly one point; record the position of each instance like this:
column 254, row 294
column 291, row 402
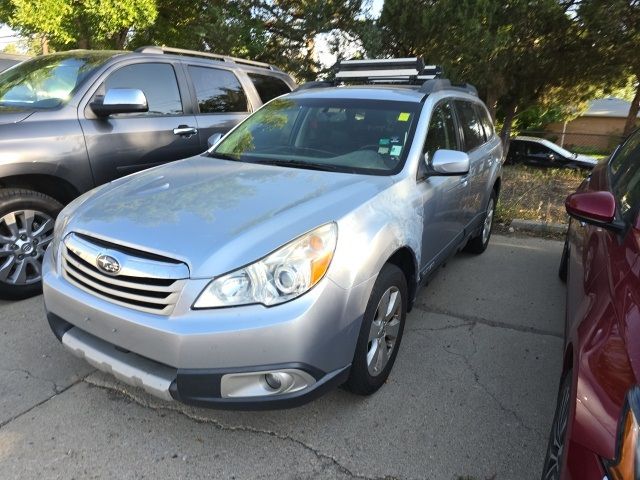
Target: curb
column 537, row 226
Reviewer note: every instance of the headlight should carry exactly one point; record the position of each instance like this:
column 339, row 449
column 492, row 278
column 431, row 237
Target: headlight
column 626, row 466
column 282, row 275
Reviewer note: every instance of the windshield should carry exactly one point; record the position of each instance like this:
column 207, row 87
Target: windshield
column 47, row 82
column 357, row 136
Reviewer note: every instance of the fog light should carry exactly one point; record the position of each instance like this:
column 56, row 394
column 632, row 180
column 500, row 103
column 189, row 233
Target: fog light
column 261, row 384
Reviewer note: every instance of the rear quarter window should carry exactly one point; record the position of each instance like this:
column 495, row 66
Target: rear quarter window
column 268, row 87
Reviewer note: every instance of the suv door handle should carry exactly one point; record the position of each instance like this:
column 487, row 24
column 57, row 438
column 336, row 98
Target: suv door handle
column 185, row 130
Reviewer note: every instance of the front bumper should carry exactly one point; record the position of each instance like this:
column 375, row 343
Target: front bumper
column 199, row 387
column 183, row 356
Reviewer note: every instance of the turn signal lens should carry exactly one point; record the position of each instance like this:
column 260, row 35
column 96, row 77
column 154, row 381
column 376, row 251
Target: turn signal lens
column 625, row 467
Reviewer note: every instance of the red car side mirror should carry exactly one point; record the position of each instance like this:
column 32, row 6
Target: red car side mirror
column 594, row 208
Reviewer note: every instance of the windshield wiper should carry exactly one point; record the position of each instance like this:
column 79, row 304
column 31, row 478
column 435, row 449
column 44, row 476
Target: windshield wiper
column 306, row 165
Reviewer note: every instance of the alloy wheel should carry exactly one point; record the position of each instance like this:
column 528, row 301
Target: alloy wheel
column 384, row 331
column 24, row 236
column 488, row 221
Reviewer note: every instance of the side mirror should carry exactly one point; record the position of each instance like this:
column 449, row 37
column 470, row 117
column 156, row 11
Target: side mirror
column 448, row 163
column 120, row 100
column 214, row 139
column 594, row 208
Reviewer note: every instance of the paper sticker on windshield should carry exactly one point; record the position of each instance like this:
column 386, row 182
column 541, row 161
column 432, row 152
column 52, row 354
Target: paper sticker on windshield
column 396, row 150
column 404, row 116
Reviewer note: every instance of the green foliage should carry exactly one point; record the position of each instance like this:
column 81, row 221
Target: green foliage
column 84, row 24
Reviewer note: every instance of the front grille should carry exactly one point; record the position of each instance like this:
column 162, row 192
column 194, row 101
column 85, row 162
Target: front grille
column 143, row 284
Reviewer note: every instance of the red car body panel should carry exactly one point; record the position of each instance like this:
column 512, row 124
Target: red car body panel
column 602, row 335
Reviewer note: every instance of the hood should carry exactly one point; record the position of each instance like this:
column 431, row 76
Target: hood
column 10, row 115
column 217, row 215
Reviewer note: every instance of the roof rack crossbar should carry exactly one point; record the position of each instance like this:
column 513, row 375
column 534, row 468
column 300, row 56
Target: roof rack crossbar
column 194, row 53
column 395, row 69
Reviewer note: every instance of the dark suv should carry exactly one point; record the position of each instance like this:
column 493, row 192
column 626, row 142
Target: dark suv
column 74, row 120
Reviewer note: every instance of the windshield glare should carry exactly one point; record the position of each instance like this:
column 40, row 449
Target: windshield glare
column 358, row 136
column 46, row 82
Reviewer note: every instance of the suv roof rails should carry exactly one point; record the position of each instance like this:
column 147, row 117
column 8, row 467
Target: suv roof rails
column 216, row 56
column 438, row 84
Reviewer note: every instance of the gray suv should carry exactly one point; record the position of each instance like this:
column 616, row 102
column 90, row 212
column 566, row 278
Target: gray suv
column 74, row 120
column 282, row 261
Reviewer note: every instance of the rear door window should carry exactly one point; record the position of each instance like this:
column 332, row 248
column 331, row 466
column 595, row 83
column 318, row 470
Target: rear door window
column 268, row 87
column 217, row 90
column 156, row 80
column 485, row 120
column 471, row 126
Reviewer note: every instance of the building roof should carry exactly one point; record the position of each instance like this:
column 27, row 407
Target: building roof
column 608, row 107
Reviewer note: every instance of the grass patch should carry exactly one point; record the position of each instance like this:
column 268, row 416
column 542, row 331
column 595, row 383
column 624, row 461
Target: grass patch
column 535, row 193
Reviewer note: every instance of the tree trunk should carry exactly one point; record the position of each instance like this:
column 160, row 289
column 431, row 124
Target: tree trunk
column 44, row 45
column 492, row 101
column 505, row 134
column 120, row 38
column 630, row 124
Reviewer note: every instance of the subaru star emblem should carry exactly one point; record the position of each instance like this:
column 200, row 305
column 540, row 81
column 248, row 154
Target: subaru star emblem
column 108, row 264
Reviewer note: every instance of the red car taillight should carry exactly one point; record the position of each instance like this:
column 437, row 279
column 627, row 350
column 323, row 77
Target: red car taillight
column 626, row 466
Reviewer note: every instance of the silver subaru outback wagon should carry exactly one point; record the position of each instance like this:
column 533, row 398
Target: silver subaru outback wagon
column 283, row 261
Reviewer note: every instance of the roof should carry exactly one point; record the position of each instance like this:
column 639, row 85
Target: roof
column 610, row 107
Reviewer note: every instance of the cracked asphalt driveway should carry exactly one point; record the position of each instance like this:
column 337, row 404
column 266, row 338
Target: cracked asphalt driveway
column 471, row 396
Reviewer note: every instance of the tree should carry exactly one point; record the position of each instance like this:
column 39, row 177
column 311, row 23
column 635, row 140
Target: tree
column 514, row 51
column 78, row 23
column 281, row 32
column 613, row 26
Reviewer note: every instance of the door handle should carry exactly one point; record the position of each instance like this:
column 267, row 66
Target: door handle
column 185, row 130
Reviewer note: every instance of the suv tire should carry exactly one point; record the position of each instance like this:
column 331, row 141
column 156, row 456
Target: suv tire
column 380, row 333
column 479, row 243
column 26, row 228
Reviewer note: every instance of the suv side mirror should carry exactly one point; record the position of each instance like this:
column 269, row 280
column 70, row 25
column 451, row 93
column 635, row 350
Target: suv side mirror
column 594, row 208
column 120, row 100
column 448, row 163
column 214, row 139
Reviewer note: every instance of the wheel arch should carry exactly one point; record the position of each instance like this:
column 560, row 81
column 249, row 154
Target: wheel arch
column 58, row 188
column 405, row 259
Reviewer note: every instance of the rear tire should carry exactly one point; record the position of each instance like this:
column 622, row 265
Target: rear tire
column 26, row 228
column 380, row 333
column 479, row 243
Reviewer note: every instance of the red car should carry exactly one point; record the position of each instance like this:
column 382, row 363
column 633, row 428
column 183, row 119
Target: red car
column 594, row 435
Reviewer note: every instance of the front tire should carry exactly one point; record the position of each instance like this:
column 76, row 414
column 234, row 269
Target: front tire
column 556, row 447
column 564, row 262
column 27, row 219
column 380, row 333
column 479, row 243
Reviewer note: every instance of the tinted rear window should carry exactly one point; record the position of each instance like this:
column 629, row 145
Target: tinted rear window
column 217, row 90
column 268, row 87
column 471, row 126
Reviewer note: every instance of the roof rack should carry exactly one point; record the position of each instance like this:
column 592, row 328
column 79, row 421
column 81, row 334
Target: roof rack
column 194, row 53
column 393, row 70
column 437, row 84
